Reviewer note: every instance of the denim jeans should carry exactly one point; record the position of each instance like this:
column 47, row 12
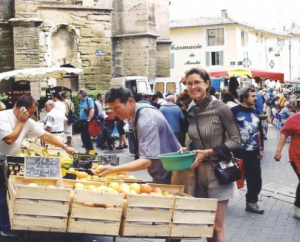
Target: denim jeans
column 297, row 200
column 251, row 160
column 4, row 218
column 100, row 136
column 85, row 136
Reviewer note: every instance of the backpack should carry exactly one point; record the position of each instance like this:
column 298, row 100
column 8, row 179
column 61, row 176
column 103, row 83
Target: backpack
column 96, row 110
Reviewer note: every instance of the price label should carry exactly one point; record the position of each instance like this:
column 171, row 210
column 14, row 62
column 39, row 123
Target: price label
column 42, row 167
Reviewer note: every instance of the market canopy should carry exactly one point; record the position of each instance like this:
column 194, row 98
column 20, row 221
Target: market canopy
column 220, row 71
column 40, row 73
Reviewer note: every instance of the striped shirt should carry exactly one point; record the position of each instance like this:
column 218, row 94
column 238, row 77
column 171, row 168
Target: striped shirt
column 214, row 119
column 155, row 137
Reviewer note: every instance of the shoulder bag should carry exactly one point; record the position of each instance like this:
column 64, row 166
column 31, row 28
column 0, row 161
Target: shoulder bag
column 226, row 171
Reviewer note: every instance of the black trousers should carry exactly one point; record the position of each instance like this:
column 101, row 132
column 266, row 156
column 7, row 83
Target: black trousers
column 85, row 136
column 297, row 200
column 252, row 167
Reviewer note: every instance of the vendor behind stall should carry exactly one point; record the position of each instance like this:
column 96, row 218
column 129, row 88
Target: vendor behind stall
column 15, row 125
column 153, row 133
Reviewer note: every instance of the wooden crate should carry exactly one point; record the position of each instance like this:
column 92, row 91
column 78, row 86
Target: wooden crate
column 147, row 216
column 99, row 220
column 193, row 217
column 38, row 208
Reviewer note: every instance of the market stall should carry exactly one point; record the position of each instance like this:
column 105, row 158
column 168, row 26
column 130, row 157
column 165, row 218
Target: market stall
column 220, row 71
column 41, row 198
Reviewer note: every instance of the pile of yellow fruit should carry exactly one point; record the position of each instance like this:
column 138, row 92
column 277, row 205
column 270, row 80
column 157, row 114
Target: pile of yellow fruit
column 126, row 189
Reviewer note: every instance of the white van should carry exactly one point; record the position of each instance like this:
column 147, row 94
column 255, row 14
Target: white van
column 166, row 84
column 136, row 84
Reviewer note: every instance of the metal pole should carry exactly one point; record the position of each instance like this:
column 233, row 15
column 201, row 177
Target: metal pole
column 290, row 58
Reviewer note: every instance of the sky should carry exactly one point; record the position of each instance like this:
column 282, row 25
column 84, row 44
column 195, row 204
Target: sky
column 272, row 14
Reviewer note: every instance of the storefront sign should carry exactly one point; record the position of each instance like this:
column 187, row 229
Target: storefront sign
column 186, row 47
column 193, row 62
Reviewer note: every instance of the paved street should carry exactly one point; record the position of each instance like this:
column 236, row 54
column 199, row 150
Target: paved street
column 277, row 224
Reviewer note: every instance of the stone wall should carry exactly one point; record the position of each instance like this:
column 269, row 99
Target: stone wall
column 163, row 59
column 6, row 42
column 91, row 28
column 137, row 26
column 134, row 56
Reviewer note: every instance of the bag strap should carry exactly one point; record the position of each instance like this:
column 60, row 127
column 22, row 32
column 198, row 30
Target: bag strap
column 136, row 143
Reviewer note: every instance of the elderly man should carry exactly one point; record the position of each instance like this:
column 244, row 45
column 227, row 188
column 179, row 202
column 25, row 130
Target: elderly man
column 15, row 125
column 55, row 120
column 286, row 112
column 173, row 114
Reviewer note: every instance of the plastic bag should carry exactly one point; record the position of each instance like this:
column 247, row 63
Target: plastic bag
column 115, row 133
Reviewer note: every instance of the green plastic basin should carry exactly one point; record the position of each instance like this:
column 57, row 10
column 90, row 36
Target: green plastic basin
column 177, row 162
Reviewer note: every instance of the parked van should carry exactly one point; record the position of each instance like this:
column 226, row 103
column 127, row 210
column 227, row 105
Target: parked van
column 166, row 84
column 136, row 84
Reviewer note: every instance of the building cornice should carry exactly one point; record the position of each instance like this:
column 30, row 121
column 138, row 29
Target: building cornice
column 136, row 35
column 74, row 7
column 29, row 22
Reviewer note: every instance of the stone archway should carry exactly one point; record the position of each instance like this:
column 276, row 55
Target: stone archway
column 62, row 42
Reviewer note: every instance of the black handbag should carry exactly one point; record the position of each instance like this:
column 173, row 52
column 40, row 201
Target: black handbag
column 226, row 171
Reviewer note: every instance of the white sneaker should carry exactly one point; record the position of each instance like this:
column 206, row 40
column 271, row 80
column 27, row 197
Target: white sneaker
column 296, row 212
column 7, row 234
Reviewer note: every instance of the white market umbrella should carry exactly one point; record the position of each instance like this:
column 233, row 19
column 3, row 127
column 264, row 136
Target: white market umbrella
column 39, row 73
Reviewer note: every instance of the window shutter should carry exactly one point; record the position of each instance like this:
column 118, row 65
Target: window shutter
column 207, row 55
column 221, row 56
column 172, row 60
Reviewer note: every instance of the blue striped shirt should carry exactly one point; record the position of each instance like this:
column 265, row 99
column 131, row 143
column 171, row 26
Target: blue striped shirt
column 155, row 138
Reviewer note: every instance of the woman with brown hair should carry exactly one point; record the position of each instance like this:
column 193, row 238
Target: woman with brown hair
column 209, row 122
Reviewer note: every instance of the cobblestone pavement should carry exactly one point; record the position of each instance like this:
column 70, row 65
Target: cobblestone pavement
column 277, row 196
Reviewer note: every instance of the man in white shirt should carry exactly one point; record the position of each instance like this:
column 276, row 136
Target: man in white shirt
column 55, row 121
column 56, row 97
column 15, row 125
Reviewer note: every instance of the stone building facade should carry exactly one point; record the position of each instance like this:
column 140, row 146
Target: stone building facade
column 107, row 38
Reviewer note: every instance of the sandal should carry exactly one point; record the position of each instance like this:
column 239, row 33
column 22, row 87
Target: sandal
column 125, row 146
column 119, row 147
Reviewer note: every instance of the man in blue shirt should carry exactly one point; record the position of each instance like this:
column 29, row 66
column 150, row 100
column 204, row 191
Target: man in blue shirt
column 86, row 112
column 173, row 115
column 251, row 152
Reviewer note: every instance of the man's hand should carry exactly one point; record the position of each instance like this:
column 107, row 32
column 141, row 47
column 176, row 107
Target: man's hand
column 277, row 156
column 103, row 170
column 199, row 158
column 70, row 150
column 23, row 115
column 261, row 154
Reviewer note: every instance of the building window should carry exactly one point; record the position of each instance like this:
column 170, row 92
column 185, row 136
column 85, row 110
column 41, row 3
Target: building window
column 215, row 37
column 215, row 58
column 244, row 38
column 257, row 37
column 261, row 38
column 172, row 60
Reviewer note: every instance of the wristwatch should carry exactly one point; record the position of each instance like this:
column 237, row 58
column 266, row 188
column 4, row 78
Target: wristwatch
column 88, row 120
column 261, row 148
